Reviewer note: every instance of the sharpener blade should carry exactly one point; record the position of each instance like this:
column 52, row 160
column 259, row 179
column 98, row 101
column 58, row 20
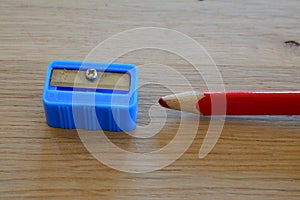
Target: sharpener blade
column 77, row 79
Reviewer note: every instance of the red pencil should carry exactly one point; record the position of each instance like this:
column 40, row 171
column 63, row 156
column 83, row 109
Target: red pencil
column 235, row 102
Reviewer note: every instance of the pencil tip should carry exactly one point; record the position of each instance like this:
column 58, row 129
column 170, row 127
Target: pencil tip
column 163, row 103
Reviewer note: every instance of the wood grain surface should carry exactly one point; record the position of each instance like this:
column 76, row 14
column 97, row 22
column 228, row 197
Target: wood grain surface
column 254, row 158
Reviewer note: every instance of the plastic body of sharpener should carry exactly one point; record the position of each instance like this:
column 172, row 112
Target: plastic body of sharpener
column 91, row 109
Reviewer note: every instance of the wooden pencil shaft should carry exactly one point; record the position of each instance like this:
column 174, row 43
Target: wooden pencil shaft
column 238, row 102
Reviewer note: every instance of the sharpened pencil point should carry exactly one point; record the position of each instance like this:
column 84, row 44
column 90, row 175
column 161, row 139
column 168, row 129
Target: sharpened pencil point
column 163, row 103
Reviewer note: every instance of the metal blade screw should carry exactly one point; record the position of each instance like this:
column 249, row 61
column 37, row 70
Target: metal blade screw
column 91, row 74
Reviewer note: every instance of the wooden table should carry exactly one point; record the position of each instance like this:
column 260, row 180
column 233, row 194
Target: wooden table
column 254, row 158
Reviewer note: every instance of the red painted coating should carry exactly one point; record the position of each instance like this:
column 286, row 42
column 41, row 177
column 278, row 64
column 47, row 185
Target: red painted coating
column 250, row 103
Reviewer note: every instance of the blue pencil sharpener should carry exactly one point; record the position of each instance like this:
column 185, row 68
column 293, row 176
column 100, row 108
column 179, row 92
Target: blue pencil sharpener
column 91, row 95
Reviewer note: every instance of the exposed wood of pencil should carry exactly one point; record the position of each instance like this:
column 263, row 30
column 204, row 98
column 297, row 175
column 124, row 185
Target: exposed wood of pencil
column 185, row 101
